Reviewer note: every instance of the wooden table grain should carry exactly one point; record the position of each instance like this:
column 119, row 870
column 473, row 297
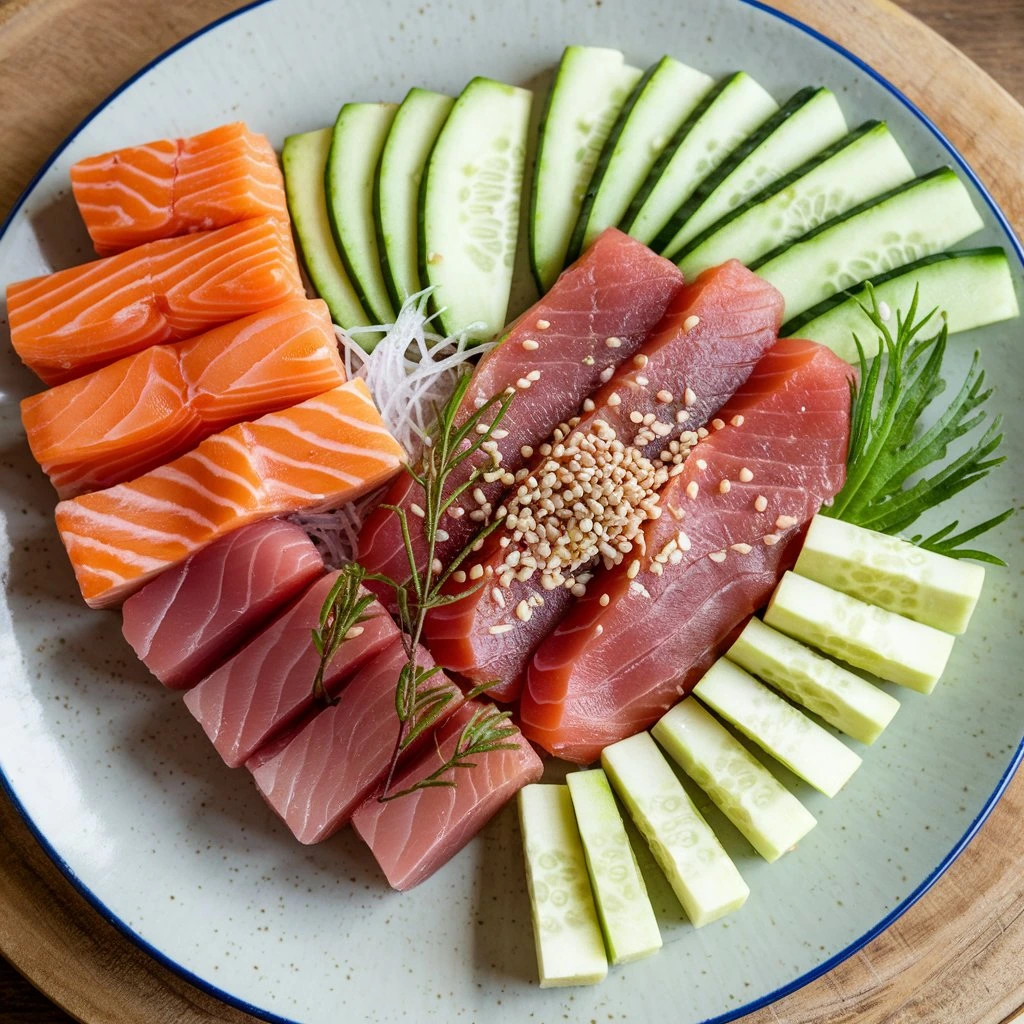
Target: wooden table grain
column 956, row 956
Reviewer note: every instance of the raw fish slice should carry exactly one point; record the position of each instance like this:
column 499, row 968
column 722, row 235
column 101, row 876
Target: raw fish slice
column 191, row 618
column 712, row 335
column 68, row 323
column 316, row 782
column 610, row 669
column 413, row 836
column 618, row 289
column 268, row 684
column 316, row 455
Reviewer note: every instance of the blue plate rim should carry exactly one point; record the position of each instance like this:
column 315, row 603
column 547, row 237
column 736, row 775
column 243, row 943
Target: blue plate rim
column 771, row 997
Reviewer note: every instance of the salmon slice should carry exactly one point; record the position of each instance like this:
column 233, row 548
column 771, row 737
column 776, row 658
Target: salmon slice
column 268, row 685
column 648, row 629
column 706, row 346
column 192, row 618
column 73, row 321
column 617, row 290
column 316, row 455
column 176, row 186
column 317, row 780
column 414, row 835
column 129, row 417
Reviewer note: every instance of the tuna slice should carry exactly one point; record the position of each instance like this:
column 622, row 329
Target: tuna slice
column 611, row 667
column 712, row 335
column 268, row 684
column 317, row 780
column 414, row 835
column 193, row 617
column 618, row 289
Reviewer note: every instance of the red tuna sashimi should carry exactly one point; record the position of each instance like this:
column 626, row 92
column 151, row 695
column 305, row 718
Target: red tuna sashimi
column 613, row 666
column 617, row 290
column 712, row 335
column 191, row 618
column 268, row 684
column 413, row 836
column 316, row 781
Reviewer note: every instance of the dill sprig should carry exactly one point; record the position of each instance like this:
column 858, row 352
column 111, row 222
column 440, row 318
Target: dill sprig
column 888, row 447
column 341, row 618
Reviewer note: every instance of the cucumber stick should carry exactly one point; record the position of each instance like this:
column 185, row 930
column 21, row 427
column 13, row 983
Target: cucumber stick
column 863, row 164
column 697, row 867
column 726, row 115
column 304, row 159
column 570, row 949
column 627, row 917
column 926, row 215
column 892, row 647
column 469, row 207
column 839, row 696
column 358, row 139
column 661, row 102
column 590, row 88
column 770, row 817
column 396, row 190
column 891, row 573
column 972, row 287
column 777, row 727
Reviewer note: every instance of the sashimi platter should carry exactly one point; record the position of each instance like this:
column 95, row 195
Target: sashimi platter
column 547, row 524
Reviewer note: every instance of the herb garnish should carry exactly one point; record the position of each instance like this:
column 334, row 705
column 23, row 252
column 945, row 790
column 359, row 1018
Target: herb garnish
column 340, row 619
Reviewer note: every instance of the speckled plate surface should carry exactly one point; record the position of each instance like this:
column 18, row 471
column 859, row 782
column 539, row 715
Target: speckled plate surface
column 125, row 792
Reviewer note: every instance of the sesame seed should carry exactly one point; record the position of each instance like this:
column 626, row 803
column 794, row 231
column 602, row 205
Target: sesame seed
column 743, row 549
column 737, row 420
column 717, row 423
column 442, row 535
column 613, row 342
column 416, row 510
column 479, row 402
column 588, row 360
column 578, row 590
column 606, row 374
column 771, row 539
column 526, row 451
column 522, row 383
column 599, row 630
column 785, row 522
column 634, row 568
column 456, row 512
column 702, row 464
column 476, row 572
column 690, row 322
column 884, row 311
column 745, row 475
column 588, row 405
column 689, row 398
column 636, row 417
column 482, row 428
column 702, row 432
column 692, row 489
column 664, row 396
column 640, row 360
column 459, row 576
column 717, row 556
column 436, row 565
column 533, row 375
column 603, row 600
column 499, row 435
column 760, row 503
column 530, row 345
column 543, row 325
column 499, row 597
column 657, row 568
column 353, row 632
column 682, row 416
column 614, row 399
column 683, row 541
column 498, row 630
column 724, row 487
column 523, row 611
column 642, row 380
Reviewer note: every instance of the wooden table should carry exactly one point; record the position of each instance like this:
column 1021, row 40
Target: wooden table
column 957, row 956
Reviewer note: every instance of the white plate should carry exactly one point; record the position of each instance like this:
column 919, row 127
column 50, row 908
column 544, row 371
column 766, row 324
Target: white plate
column 126, row 794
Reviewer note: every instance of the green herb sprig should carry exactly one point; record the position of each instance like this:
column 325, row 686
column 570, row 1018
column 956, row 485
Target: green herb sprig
column 341, row 614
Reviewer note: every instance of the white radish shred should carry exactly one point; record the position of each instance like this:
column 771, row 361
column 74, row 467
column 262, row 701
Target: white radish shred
column 336, row 533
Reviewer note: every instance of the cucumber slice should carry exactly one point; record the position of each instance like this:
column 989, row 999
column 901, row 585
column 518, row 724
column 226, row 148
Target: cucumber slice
column 469, row 207
column 834, row 693
column 808, row 123
column 777, row 727
column 570, row 950
column 396, row 189
column 926, row 215
column 891, row 573
column 661, row 102
column 698, row 868
column 973, row 287
column 627, row 917
column 888, row 645
column 865, row 163
column 728, row 113
column 590, row 87
column 304, row 158
column 770, row 817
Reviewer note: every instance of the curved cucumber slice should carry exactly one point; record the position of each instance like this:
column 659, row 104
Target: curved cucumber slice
column 810, row 122
column 973, row 287
column 358, row 139
column 469, row 207
column 727, row 114
column 770, row 817
column 589, row 90
column 832, row 692
column 661, row 102
column 396, row 190
column 777, row 727
column 884, row 643
column 926, row 215
column 304, row 158
column 891, row 573
column 865, row 163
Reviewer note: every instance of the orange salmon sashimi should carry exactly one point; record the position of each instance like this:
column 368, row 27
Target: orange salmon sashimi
column 68, row 323
column 713, row 334
column 731, row 524
column 316, row 455
column 127, row 418
column 176, row 186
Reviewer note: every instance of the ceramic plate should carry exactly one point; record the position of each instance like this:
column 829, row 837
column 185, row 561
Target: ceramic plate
column 127, row 795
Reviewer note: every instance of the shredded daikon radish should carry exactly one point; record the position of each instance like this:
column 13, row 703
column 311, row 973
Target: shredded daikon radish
column 336, row 533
